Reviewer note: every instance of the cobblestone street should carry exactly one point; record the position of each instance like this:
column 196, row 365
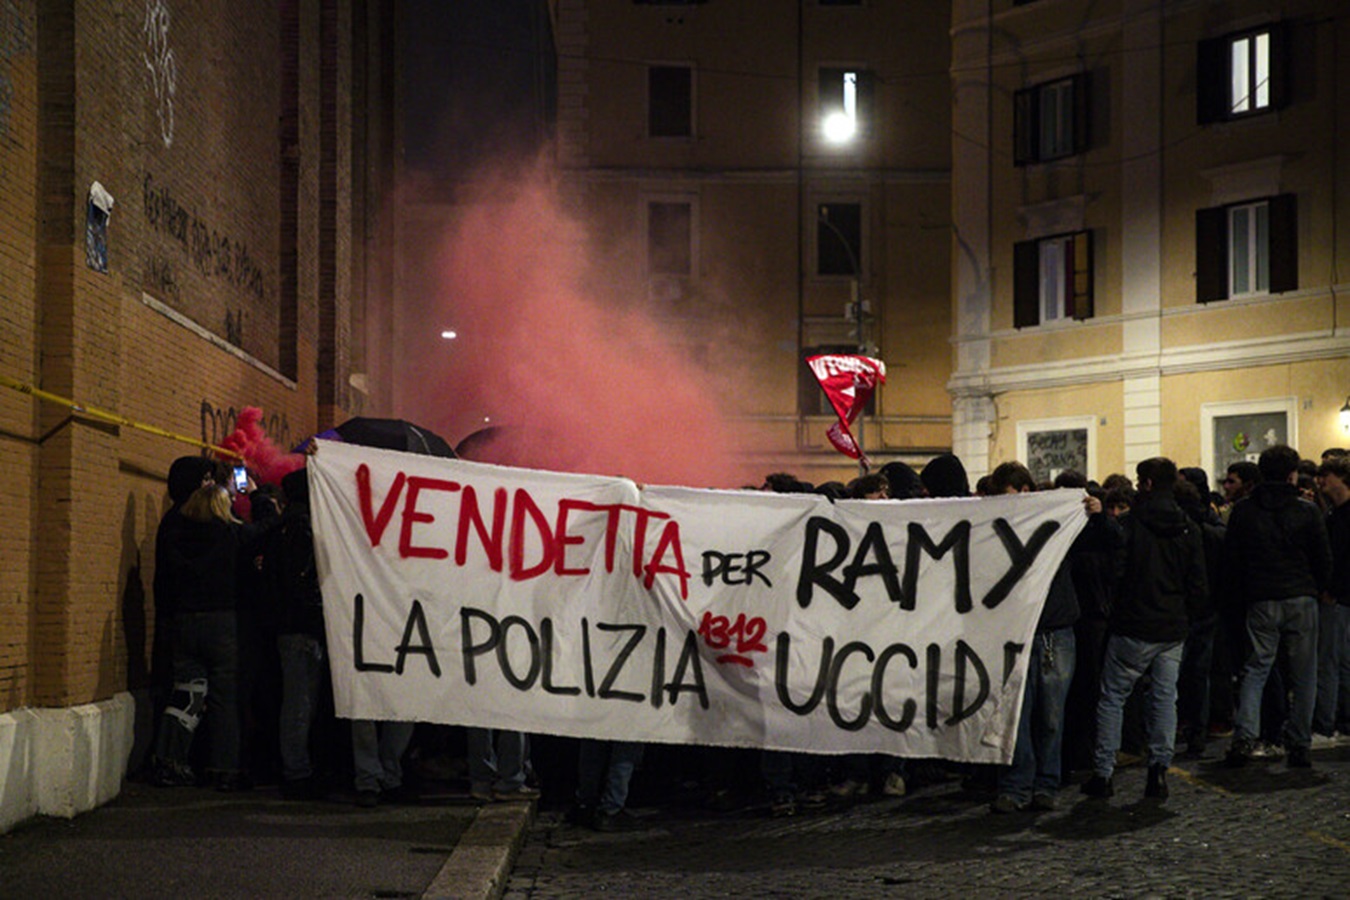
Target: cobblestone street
column 1262, row 831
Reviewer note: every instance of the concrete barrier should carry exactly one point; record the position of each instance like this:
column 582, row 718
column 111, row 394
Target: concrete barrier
column 62, row 762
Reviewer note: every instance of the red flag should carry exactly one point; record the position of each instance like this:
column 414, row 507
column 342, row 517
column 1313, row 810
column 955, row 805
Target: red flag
column 849, row 382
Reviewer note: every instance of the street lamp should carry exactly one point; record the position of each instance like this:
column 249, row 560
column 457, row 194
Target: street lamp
column 855, row 307
column 841, row 125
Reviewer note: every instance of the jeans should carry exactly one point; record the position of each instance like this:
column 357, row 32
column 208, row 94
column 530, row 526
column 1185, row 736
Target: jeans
column 496, row 759
column 1333, row 643
column 205, row 662
column 1036, row 761
column 1292, row 622
column 1127, row 659
column 377, row 753
column 302, row 657
column 604, row 769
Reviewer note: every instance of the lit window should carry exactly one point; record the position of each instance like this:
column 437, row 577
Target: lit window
column 1055, row 254
column 1050, row 120
column 1246, row 249
column 1250, row 66
column 1052, row 279
column 1242, row 74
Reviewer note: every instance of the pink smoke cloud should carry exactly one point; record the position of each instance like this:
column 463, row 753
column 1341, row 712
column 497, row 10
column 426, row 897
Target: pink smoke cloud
column 576, row 381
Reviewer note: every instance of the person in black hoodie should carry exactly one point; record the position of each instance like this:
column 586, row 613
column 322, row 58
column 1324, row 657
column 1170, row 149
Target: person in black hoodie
column 293, row 581
column 1162, row 584
column 1279, row 557
column 186, row 474
column 1033, row 778
column 1332, row 711
column 196, row 564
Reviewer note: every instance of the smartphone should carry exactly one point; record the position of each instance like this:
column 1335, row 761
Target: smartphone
column 240, row 480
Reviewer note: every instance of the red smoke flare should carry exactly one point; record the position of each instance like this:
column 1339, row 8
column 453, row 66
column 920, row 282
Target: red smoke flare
column 265, row 460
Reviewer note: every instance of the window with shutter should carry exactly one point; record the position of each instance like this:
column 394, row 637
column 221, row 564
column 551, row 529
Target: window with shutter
column 1050, row 120
column 1246, row 248
column 1052, row 279
column 1242, row 74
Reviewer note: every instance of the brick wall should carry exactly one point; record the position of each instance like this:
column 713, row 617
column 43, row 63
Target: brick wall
column 173, row 107
column 18, row 322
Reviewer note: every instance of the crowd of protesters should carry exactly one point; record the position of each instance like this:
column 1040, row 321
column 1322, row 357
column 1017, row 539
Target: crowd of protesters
column 1181, row 614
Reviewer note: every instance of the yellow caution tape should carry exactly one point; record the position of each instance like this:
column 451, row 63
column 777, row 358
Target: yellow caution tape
column 94, row 412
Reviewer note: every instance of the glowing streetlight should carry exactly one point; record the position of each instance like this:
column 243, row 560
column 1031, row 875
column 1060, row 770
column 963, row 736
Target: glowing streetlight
column 449, row 335
column 840, row 126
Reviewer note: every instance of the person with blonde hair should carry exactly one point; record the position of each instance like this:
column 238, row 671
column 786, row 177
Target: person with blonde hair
column 197, row 560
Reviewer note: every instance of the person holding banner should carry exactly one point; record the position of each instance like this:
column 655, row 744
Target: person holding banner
column 604, row 771
column 377, row 755
column 498, row 762
column 1032, row 780
column 1163, row 583
column 294, row 579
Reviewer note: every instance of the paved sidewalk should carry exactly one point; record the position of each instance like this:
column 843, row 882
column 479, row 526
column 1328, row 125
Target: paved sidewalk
column 199, row 843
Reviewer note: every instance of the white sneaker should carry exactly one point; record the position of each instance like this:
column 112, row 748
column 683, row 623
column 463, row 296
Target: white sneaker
column 894, row 786
column 1324, row 741
column 1263, row 750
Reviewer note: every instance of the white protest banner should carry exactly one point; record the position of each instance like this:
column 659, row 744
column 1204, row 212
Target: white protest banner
column 471, row 594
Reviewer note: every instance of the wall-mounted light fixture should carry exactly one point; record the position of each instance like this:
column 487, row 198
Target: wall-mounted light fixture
column 1345, row 415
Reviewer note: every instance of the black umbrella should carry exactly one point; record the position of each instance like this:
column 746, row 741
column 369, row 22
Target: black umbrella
column 391, row 434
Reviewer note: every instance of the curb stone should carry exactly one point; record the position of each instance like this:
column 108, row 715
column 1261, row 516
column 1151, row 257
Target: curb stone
column 481, row 862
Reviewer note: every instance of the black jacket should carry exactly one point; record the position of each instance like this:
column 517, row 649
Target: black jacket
column 1092, row 559
column 1338, row 529
column 1163, row 583
column 1212, row 534
column 293, row 575
column 196, row 564
column 1277, row 546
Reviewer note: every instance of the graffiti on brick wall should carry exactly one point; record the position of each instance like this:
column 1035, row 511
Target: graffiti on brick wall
column 220, row 422
column 213, row 253
column 14, row 41
column 159, row 279
column 234, row 326
column 161, row 66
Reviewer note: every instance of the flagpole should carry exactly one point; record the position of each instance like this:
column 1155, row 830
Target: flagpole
column 855, row 306
column 862, row 350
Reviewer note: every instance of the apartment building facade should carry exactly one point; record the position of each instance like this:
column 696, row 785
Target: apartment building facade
column 1150, row 209
column 186, row 199
column 693, row 138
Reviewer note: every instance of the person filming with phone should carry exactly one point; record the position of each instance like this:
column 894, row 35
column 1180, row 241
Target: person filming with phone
column 197, row 553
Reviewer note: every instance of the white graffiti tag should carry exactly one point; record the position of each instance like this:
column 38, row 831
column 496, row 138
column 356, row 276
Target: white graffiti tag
column 160, row 64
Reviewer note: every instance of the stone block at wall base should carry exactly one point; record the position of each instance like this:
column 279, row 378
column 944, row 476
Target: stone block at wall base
column 18, row 791
column 62, row 762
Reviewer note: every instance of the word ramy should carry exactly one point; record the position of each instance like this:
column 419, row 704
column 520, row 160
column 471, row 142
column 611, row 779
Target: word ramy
column 873, row 560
